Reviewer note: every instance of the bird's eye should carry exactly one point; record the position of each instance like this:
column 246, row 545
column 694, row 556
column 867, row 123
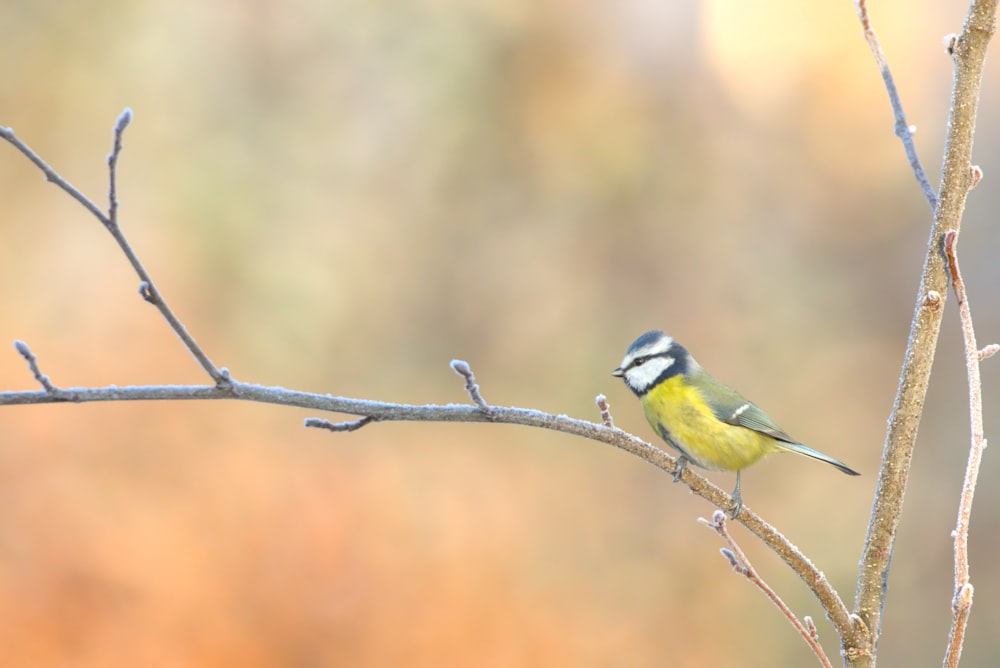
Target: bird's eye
column 639, row 361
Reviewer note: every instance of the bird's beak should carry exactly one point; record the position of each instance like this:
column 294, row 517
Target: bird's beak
column 618, row 372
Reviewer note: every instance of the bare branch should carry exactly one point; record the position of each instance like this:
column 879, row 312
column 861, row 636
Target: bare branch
column 903, row 129
column 110, row 222
column 738, row 560
column 51, row 176
column 962, row 601
column 386, row 412
column 969, row 53
column 370, row 411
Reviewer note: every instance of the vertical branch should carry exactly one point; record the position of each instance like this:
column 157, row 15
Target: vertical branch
column 962, row 601
column 957, row 177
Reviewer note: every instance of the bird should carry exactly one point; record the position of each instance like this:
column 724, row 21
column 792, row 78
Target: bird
column 709, row 423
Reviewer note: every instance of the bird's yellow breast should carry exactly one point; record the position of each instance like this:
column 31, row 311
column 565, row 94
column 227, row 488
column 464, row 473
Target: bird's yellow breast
column 679, row 414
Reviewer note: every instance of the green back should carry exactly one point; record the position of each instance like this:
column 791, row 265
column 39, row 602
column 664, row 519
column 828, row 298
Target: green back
column 733, row 408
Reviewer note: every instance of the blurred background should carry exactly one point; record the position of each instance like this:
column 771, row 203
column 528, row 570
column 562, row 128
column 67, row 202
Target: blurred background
column 341, row 197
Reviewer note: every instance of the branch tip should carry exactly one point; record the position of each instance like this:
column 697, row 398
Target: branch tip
column 728, row 554
column 116, row 148
column 124, row 119
column 989, row 351
column 462, row 368
column 605, row 408
column 36, row 371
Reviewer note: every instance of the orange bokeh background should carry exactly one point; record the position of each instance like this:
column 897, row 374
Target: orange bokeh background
column 343, row 197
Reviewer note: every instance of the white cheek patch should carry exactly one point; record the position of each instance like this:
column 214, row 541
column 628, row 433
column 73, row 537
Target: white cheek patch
column 639, row 378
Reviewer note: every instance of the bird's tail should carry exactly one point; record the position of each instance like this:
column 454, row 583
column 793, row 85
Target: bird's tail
column 816, row 454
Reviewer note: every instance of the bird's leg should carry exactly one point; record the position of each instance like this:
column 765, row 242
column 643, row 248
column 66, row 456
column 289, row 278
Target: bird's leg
column 737, row 497
column 682, row 464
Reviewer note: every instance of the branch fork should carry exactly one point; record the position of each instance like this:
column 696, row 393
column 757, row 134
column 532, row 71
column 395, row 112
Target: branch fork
column 741, row 564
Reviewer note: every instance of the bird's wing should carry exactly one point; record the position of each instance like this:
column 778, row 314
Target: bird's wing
column 733, row 408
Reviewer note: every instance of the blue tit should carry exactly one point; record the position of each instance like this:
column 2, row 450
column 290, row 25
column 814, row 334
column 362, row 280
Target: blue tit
column 710, row 424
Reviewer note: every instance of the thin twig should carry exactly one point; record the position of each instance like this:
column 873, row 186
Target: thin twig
column 51, row 176
column 463, row 369
column 738, row 560
column 903, row 129
column 605, row 408
column 42, row 379
column 352, row 425
column 123, row 121
column 110, row 222
column 962, row 601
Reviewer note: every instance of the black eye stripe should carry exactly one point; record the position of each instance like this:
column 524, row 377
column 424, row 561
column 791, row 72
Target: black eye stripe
column 642, row 359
